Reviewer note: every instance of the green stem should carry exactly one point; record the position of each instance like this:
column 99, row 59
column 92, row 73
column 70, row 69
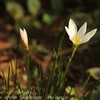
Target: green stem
column 66, row 71
column 28, row 69
column 37, row 83
column 8, row 79
column 52, row 76
column 38, row 88
column 86, row 82
column 67, row 67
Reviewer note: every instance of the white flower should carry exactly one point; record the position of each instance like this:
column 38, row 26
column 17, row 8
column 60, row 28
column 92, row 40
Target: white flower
column 80, row 36
column 24, row 37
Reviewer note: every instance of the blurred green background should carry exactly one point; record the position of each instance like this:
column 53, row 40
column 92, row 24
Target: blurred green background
column 35, row 13
column 44, row 20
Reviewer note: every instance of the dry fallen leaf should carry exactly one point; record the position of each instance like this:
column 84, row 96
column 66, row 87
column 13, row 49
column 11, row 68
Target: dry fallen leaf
column 94, row 72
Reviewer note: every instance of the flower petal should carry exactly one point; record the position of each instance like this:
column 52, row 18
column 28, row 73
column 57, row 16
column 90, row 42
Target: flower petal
column 24, row 37
column 82, row 30
column 68, row 31
column 88, row 36
column 21, row 34
column 72, row 27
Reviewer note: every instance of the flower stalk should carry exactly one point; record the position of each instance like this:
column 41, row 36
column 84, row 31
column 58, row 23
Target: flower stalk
column 77, row 37
column 28, row 58
column 24, row 39
column 66, row 71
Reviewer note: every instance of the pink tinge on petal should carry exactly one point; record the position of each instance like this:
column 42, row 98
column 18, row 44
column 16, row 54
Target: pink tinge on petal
column 24, row 37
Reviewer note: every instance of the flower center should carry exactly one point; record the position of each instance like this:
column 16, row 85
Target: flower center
column 76, row 39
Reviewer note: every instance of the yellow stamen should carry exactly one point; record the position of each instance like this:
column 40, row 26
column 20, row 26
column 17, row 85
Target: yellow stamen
column 76, row 39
